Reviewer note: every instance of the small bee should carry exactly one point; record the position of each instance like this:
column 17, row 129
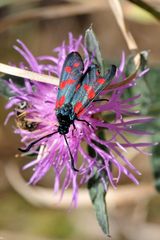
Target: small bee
column 21, row 117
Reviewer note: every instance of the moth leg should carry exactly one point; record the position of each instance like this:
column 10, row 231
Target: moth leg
column 74, row 128
column 83, row 120
column 36, row 141
column 48, row 101
column 100, row 100
column 70, row 153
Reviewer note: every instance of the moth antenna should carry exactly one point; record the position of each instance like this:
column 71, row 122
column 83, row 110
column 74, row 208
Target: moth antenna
column 72, row 159
column 36, row 141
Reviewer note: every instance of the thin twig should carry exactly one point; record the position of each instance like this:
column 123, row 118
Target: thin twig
column 147, row 7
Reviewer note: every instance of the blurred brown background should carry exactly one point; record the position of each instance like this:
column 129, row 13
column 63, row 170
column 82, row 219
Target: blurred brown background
column 43, row 25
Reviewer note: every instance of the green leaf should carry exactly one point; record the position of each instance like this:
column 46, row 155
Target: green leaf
column 144, row 59
column 156, row 164
column 97, row 194
column 97, row 190
column 143, row 85
column 4, row 89
column 155, row 159
column 148, row 86
column 93, row 48
column 130, row 63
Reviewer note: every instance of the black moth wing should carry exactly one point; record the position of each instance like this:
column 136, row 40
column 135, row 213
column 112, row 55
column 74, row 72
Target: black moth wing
column 91, row 86
column 71, row 74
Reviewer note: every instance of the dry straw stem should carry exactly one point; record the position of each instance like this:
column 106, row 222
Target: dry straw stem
column 118, row 13
column 18, row 72
column 130, row 41
column 39, row 196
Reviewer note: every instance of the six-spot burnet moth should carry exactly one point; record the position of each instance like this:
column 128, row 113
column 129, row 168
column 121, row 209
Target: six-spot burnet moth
column 77, row 90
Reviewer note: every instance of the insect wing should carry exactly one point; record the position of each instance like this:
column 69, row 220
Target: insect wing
column 91, row 86
column 72, row 72
column 84, row 92
column 103, row 82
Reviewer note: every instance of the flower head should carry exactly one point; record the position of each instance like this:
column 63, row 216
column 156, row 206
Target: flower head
column 34, row 110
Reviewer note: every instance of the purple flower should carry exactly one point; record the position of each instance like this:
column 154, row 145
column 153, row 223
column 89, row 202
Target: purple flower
column 34, row 111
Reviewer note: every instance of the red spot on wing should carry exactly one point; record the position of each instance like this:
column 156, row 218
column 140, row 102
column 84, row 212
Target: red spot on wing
column 91, row 94
column 67, row 82
column 90, row 91
column 81, row 112
column 68, row 69
column 76, row 64
column 70, row 81
column 78, row 107
column 60, row 102
column 62, row 85
column 101, row 80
